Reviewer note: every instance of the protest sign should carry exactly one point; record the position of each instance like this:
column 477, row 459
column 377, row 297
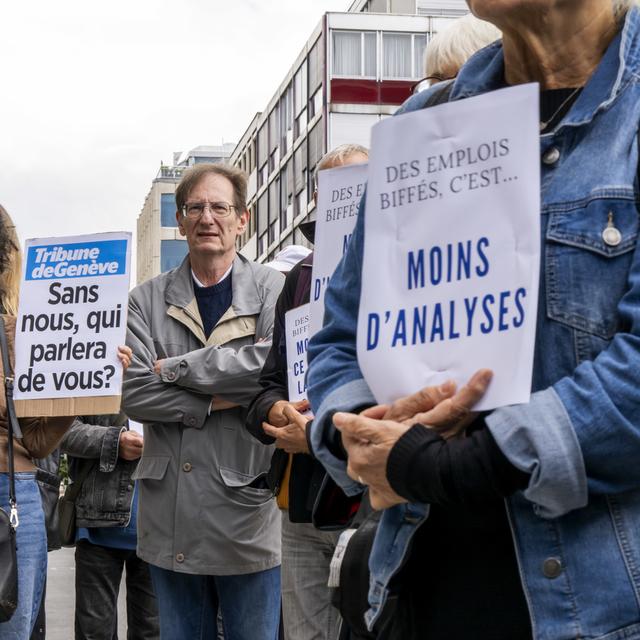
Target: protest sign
column 297, row 341
column 71, row 318
column 452, row 247
column 339, row 193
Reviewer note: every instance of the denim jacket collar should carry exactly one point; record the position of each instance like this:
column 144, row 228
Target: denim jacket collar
column 485, row 72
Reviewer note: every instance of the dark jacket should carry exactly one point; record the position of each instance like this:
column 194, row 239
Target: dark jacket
column 107, row 491
column 306, row 473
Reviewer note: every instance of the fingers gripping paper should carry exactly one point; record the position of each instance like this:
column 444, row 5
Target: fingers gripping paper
column 71, row 319
column 452, row 247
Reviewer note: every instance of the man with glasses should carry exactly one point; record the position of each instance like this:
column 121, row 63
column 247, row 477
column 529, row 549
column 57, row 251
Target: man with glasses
column 207, row 524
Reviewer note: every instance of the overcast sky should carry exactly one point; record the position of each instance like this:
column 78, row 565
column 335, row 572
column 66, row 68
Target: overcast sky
column 95, row 94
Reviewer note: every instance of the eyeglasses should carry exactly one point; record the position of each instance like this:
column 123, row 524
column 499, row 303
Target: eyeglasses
column 195, row 210
column 425, row 83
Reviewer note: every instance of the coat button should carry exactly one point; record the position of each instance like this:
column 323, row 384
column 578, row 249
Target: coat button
column 551, row 156
column 171, row 375
column 191, row 421
column 129, row 487
column 186, row 467
column 552, row 568
column 180, row 557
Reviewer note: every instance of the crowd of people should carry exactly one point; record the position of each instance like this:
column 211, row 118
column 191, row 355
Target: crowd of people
column 229, row 512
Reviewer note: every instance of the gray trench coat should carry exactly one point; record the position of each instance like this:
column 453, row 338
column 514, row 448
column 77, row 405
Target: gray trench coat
column 197, row 513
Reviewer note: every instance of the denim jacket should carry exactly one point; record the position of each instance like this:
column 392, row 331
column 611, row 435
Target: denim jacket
column 107, row 491
column 576, row 527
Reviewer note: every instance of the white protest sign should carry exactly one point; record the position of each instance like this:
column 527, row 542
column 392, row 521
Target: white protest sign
column 339, row 193
column 297, row 340
column 452, row 247
column 72, row 316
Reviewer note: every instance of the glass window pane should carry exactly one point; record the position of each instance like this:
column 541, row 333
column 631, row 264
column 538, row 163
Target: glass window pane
column 168, row 210
column 397, row 55
column 347, row 54
column 172, row 252
column 316, row 65
column 419, row 44
column 263, row 213
column 370, row 55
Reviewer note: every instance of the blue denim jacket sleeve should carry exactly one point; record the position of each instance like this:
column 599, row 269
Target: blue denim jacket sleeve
column 335, row 382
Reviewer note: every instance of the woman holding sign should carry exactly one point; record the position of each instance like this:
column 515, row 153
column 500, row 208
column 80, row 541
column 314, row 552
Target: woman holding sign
column 566, row 463
column 39, row 437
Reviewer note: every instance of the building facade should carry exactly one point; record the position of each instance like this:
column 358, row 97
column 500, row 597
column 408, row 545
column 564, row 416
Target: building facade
column 356, row 68
column 160, row 246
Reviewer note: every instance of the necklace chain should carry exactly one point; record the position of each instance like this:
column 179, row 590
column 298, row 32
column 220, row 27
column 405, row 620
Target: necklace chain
column 545, row 123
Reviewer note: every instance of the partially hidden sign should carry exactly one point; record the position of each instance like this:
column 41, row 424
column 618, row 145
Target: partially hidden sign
column 297, row 342
column 452, row 247
column 339, row 193
column 72, row 316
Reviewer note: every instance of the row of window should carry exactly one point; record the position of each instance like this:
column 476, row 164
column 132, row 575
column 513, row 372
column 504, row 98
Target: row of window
column 373, row 54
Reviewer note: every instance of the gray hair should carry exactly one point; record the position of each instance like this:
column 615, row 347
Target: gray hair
column 337, row 157
column 620, row 7
column 451, row 48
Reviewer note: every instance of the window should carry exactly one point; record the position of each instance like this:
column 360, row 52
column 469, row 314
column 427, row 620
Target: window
column 263, row 151
column 273, row 130
column 316, row 66
column 301, row 124
column 354, row 54
column 300, row 167
column 419, row 45
column 168, row 210
column 402, row 55
column 316, row 146
column 172, row 252
column 286, row 120
column 263, row 213
column 300, row 90
column 315, row 104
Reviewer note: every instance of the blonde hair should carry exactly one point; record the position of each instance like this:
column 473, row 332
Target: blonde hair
column 337, row 156
column 10, row 264
column 451, row 48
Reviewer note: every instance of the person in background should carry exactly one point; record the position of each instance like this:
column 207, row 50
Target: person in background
column 540, row 501
column 288, row 258
column 40, row 438
column 207, row 522
column 106, row 451
column 450, row 48
column 306, row 551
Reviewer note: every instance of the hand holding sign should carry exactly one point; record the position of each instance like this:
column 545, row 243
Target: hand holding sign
column 288, row 425
column 368, row 438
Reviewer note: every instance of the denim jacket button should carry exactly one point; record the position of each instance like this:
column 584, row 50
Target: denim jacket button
column 186, row 467
column 551, row 568
column 551, row 156
column 180, row 557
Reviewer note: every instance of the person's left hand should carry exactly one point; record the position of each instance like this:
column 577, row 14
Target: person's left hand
column 368, row 443
column 124, row 355
column 157, row 366
column 292, row 437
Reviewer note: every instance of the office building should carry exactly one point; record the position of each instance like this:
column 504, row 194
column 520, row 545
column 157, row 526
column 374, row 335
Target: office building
column 355, row 69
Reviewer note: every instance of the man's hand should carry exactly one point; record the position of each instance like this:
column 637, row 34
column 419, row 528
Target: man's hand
column 438, row 407
column 157, row 366
column 292, row 435
column 368, row 443
column 130, row 445
column 276, row 416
